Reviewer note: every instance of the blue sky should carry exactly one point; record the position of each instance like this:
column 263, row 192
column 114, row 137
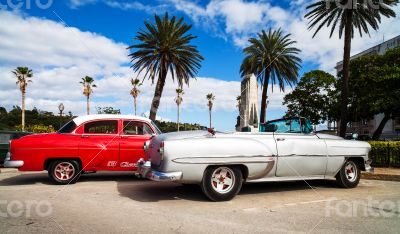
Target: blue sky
column 73, row 38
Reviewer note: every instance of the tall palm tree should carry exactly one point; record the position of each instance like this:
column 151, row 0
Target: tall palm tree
column 273, row 60
column 239, row 101
column 88, row 85
column 178, row 101
column 23, row 74
column 210, row 98
column 135, row 91
column 348, row 16
column 164, row 47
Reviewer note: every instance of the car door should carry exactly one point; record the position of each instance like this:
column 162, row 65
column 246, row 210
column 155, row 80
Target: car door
column 133, row 135
column 99, row 145
column 300, row 154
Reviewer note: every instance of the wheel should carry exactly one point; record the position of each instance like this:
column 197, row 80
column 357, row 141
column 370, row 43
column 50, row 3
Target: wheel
column 64, row 171
column 349, row 175
column 222, row 183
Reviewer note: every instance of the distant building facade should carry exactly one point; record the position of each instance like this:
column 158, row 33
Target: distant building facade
column 248, row 105
column 392, row 127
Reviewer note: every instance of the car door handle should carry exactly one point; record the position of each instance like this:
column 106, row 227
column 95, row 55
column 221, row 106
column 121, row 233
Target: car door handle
column 124, row 137
column 280, row 139
column 85, row 136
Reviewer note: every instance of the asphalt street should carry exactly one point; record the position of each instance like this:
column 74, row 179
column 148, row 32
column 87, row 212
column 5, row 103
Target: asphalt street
column 120, row 203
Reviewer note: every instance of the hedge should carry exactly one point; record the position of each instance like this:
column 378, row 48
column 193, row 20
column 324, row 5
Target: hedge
column 385, row 153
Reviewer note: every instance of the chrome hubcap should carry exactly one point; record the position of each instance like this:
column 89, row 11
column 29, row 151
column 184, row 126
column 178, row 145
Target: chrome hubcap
column 351, row 171
column 222, row 180
column 64, row 171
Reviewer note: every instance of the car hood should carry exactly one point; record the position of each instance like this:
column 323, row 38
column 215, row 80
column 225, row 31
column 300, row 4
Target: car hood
column 182, row 135
column 328, row 136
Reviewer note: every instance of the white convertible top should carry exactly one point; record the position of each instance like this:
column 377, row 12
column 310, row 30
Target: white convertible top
column 81, row 119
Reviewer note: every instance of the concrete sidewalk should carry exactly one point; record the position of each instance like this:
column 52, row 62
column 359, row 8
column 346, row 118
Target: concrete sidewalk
column 389, row 174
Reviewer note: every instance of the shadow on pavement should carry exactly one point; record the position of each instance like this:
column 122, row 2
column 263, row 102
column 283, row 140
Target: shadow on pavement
column 151, row 191
column 26, row 179
column 43, row 178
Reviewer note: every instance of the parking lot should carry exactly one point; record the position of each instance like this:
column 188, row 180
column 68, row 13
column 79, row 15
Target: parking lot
column 121, row 203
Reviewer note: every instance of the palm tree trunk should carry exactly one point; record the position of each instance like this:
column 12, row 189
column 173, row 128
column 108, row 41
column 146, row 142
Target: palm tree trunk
column 346, row 62
column 87, row 105
column 178, row 118
column 264, row 98
column 134, row 104
column 210, row 119
column 23, row 111
column 157, row 94
column 378, row 132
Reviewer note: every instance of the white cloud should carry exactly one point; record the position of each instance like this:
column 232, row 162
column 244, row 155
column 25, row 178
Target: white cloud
column 59, row 56
column 77, row 3
column 239, row 20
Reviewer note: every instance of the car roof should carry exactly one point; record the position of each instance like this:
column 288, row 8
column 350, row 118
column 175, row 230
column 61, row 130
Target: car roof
column 81, row 119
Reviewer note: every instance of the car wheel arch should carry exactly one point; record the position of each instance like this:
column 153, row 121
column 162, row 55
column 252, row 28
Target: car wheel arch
column 243, row 168
column 48, row 161
column 357, row 160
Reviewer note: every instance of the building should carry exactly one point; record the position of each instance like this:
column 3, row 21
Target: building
column 367, row 127
column 248, row 105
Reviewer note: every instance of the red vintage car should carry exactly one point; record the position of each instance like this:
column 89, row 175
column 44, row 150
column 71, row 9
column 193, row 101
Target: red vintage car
column 85, row 144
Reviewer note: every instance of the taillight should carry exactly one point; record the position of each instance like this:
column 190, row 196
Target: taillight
column 161, row 150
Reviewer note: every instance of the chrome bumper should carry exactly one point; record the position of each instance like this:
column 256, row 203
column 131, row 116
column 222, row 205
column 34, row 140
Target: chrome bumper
column 12, row 163
column 144, row 170
column 368, row 167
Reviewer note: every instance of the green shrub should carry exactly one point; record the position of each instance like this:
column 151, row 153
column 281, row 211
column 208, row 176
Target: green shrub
column 36, row 128
column 385, row 153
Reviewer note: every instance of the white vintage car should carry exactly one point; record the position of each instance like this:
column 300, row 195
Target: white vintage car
column 286, row 149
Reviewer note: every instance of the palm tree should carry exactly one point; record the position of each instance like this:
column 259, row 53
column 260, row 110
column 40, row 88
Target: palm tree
column 164, row 47
column 210, row 99
column 239, row 101
column 178, row 101
column 272, row 59
column 23, row 74
column 135, row 91
column 348, row 16
column 88, row 86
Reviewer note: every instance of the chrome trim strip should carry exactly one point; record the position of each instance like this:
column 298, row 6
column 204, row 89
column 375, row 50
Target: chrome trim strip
column 226, row 160
column 322, row 155
column 13, row 164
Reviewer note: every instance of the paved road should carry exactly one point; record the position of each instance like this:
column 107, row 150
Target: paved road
column 121, row 203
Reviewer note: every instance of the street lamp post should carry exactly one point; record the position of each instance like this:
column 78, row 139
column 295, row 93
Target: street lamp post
column 61, row 109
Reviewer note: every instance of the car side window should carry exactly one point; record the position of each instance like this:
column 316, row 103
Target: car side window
column 136, row 128
column 102, row 127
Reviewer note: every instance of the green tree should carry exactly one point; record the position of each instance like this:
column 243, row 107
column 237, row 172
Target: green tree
column 23, row 74
column 135, row 91
column 178, row 101
column 88, row 85
column 348, row 16
column 108, row 110
column 375, row 84
column 273, row 60
column 210, row 102
column 164, row 47
column 311, row 98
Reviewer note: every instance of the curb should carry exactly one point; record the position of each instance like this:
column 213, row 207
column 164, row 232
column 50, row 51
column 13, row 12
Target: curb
column 8, row 170
column 374, row 176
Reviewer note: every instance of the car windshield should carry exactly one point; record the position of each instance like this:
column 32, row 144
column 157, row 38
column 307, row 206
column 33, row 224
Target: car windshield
column 68, row 127
column 295, row 125
column 158, row 131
